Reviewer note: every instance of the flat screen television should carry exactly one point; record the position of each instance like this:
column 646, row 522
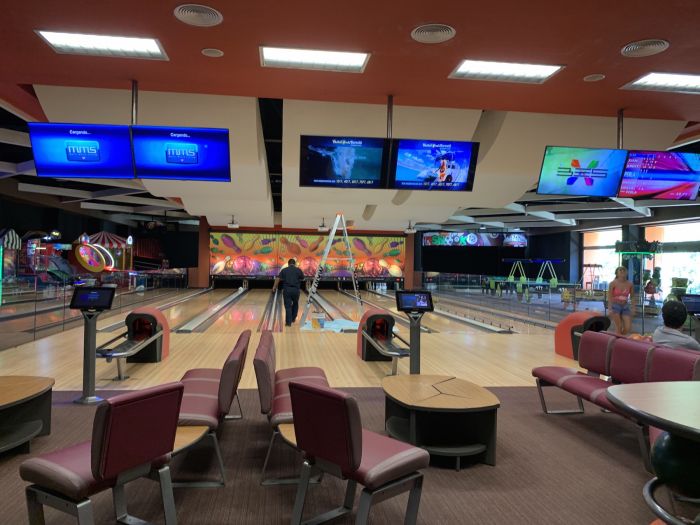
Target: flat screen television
column 661, row 175
column 443, row 165
column 343, row 162
column 585, row 172
column 414, row 301
column 692, row 303
column 195, row 154
column 81, row 150
column 474, row 239
column 92, row 298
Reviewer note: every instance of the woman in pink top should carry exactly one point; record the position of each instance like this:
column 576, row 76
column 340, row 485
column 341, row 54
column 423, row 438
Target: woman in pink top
column 621, row 301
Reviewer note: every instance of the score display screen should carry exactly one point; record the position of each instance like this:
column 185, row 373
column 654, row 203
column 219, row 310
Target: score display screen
column 81, row 150
column 342, row 162
column 197, row 154
column 434, row 165
column 585, row 172
column 409, row 301
column 91, row 298
column 661, row 175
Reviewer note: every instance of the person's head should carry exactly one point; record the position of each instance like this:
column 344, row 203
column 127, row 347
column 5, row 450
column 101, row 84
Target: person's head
column 291, row 262
column 621, row 272
column 674, row 314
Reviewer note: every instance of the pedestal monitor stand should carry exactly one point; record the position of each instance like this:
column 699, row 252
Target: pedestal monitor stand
column 89, row 358
column 91, row 301
column 414, row 341
column 414, row 303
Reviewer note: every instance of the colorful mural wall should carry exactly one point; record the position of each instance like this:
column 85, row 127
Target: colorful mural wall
column 265, row 254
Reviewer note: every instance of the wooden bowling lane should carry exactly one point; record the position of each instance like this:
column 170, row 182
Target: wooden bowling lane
column 489, row 315
column 181, row 313
column 244, row 314
column 348, row 305
column 432, row 321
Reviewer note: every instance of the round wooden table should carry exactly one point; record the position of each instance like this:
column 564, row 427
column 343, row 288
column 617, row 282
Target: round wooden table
column 445, row 415
column 672, row 406
column 25, row 410
column 185, row 437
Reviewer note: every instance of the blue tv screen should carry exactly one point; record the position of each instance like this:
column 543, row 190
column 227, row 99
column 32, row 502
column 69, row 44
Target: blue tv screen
column 661, row 175
column 342, row 162
column 81, row 150
column 585, row 172
column 197, row 154
column 444, row 165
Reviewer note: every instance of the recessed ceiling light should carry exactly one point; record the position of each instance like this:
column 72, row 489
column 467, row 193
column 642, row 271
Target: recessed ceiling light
column 212, row 52
column 313, row 59
column 595, row 77
column 104, row 45
column 674, row 82
column 504, row 71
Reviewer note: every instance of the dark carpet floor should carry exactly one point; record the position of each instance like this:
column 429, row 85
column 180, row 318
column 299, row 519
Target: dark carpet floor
column 582, row 469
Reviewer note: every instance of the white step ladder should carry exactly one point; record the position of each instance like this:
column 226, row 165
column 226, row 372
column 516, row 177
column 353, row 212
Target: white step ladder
column 338, row 224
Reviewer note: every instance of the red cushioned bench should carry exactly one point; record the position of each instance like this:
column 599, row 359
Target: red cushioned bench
column 273, row 390
column 611, row 359
column 208, row 395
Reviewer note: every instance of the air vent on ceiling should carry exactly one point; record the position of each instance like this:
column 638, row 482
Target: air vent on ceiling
column 212, row 52
column 595, row 77
column 198, row 15
column 645, row 48
column 433, row 33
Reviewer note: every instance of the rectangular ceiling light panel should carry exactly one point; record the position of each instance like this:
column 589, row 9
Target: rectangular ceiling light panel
column 343, row 61
column 104, row 45
column 674, row 82
column 504, row 71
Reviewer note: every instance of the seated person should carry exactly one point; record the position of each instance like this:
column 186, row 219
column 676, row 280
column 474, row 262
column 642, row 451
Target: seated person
column 674, row 314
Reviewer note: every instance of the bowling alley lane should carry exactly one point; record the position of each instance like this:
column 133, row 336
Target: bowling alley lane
column 244, row 314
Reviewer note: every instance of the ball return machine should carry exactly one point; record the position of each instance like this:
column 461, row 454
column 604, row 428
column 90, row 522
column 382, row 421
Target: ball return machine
column 376, row 340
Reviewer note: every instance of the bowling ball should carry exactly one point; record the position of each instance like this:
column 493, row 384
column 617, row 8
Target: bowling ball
column 676, row 462
column 636, row 337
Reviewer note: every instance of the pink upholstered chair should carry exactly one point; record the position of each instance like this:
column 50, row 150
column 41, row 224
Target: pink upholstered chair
column 330, row 434
column 209, row 393
column 132, row 437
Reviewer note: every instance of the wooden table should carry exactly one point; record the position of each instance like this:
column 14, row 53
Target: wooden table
column 25, row 410
column 444, row 415
column 287, row 432
column 672, row 406
column 185, row 437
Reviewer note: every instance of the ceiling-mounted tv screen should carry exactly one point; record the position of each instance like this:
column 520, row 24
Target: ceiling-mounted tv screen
column 661, row 175
column 585, row 172
column 81, row 150
column 445, row 165
column 342, row 162
column 196, row 154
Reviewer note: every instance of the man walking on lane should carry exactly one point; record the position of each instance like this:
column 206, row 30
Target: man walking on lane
column 290, row 278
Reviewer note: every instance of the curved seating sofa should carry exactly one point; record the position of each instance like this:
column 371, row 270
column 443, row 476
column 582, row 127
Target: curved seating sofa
column 609, row 359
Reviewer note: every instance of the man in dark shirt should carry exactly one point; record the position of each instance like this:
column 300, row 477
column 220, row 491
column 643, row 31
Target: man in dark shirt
column 291, row 278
